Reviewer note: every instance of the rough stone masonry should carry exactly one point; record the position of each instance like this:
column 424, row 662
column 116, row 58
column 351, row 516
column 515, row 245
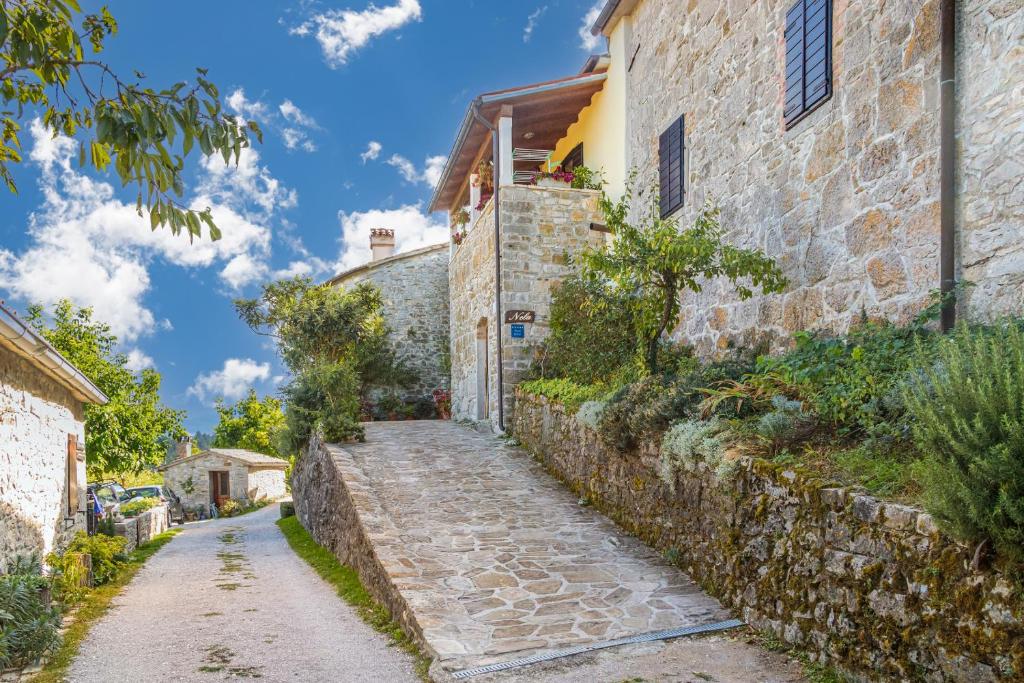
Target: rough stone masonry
column 846, row 200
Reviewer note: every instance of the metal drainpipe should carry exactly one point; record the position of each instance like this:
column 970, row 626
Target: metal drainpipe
column 497, row 259
column 947, row 152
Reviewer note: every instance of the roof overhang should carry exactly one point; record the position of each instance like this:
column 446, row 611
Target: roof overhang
column 612, row 11
column 18, row 337
column 543, row 110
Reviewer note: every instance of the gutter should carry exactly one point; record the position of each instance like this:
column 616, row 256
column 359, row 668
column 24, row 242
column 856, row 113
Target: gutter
column 27, row 343
column 947, row 161
column 495, row 151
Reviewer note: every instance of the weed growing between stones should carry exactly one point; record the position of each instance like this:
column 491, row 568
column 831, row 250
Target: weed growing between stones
column 814, row 671
column 220, row 658
column 349, row 588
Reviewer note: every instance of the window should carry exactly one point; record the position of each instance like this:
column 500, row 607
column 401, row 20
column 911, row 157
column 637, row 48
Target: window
column 671, row 167
column 573, row 158
column 808, row 58
column 71, row 474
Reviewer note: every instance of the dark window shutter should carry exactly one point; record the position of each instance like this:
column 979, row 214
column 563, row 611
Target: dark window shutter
column 72, row 476
column 573, row 158
column 808, row 57
column 671, row 169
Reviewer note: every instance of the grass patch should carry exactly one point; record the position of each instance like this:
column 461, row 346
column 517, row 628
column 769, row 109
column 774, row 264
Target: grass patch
column 350, row 589
column 94, row 606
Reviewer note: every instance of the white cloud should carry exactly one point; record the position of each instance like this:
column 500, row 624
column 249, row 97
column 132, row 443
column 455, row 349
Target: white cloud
column 342, row 32
column 88, row 246
column 531, row 22
column 297, row 139
column 373, row 149
column 139, row 361
column 232, row 382
column 589, row 41
column 430, row 175
column 241, row 105
column 295, row 133
column 243, row 270
column 413, row 229
column 292, row 113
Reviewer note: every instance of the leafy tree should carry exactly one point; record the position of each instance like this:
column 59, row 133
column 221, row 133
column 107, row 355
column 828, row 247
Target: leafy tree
column 252, row 424
column 655, row 261
column 45, row 66
column 335, row 342
column 123, row 436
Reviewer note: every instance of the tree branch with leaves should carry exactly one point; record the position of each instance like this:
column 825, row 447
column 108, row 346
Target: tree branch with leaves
column 145, row 134
column 655, row 261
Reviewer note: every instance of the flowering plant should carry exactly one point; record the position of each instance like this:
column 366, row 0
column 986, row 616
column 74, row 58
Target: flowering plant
column 458, row 236
column 460, row 217
column 443, row 403
column 558, row 174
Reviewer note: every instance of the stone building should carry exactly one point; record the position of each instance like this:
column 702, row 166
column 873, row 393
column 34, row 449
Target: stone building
column 815, row 126
column 539, row 229
column 217, row 474
column 42, row 442
column 414, row 286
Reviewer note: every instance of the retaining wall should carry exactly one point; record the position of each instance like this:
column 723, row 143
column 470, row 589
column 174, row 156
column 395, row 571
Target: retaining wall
column 140, row 530
column 871, row 586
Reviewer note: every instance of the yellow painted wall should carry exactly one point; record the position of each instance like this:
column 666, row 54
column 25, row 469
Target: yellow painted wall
column 601, row 126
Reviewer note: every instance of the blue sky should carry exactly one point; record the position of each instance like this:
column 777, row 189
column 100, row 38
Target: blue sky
column 324, row 80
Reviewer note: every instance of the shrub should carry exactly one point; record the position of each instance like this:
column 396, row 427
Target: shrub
column 644, row 410
column 591, row 316
column 688, row 443
column 589, row 413
column 785, row 425
column 564, row 391
column 28, row 624
column 107, row 553
column 135, row 508
column 966, row 412
column 230, row 508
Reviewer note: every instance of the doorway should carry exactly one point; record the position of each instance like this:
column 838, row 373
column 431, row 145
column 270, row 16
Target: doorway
column 482, row 371
column 220, row 488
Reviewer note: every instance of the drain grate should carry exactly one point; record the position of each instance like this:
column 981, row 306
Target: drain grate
column 580, row 649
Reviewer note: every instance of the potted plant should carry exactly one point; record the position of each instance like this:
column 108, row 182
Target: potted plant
column 555, row 178
column 460, row 217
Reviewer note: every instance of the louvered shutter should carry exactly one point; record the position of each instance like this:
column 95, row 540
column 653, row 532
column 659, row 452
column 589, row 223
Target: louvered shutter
column 71, row 464
column 671, row 178
column 808, row 57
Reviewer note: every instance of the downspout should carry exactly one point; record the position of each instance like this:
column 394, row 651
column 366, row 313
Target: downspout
column 947, row 155
column 497, row 258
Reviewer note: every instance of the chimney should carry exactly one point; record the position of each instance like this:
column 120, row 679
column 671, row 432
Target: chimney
column 382, row 243
column 183, row 448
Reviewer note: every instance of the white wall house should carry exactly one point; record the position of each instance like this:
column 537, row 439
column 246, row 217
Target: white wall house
column 42, row 442
column 220, row 473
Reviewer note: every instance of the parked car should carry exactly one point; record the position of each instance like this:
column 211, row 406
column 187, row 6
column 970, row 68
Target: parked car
column 109, row 494
column 175, row 510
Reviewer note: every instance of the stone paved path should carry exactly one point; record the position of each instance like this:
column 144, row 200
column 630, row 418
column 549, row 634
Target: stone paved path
column 495, row 558
column 228, row 599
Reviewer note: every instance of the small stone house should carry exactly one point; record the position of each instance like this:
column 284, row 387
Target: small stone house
column 42, row 442
column 218, row 474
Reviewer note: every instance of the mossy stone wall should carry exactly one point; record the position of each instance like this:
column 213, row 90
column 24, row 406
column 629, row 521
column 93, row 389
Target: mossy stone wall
column 870, row 586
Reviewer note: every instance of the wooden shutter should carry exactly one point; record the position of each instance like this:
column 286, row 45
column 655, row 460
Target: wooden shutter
column 671, row 170
column 573, row 158
column 808, row 57
column 72, row 476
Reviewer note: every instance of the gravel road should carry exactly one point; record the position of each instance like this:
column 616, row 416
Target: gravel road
column 228, row 599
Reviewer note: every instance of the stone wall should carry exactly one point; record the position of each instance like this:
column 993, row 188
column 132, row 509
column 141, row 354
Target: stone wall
column 141, row 530
column 990, row 64
column 36, row 417
column 324, row 505
column 847, row 199
column 541, row 229
column 415, row 291
column 870, row 586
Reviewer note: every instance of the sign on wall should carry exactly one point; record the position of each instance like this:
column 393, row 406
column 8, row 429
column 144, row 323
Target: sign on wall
column 518, row 331
column 520, row 316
